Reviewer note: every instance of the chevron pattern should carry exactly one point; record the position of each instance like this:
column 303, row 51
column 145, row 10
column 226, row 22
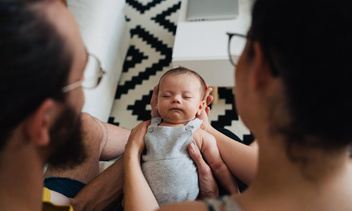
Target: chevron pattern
column 152, row 27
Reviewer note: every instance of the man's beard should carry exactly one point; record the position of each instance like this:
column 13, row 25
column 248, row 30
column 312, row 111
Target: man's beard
column 66, row 141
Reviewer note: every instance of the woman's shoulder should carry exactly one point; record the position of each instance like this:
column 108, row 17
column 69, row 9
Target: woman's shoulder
column 225, row 203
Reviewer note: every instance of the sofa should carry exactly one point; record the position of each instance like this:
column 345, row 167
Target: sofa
column 104, row 31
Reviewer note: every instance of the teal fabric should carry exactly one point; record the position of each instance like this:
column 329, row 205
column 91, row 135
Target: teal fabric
column 66, row 186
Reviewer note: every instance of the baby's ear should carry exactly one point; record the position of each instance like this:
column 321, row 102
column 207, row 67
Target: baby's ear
column 155, row 110
column 201, row 106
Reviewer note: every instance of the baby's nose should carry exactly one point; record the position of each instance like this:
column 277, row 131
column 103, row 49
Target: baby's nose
column 176, row 99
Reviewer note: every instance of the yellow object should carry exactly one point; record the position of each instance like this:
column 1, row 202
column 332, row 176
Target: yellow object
column 49, row 206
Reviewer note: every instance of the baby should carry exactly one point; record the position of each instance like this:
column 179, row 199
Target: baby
column 167, row 166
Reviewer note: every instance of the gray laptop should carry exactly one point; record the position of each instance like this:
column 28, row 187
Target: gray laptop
column 204, row 10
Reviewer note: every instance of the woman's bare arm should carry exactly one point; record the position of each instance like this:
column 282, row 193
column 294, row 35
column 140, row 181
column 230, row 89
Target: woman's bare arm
column 211, row 153
column 137, row 193
column 241, row 159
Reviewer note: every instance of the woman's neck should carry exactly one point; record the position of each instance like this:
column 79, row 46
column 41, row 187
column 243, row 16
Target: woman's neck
column 314, row 180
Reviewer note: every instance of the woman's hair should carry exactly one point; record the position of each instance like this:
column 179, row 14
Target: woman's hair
column 182, row 70
column 309, row 44
column 34, row 61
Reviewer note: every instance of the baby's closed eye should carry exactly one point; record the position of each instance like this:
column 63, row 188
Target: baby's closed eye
column 187, row 96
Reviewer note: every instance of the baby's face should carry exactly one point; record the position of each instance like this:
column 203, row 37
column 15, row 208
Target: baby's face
column 179, row 98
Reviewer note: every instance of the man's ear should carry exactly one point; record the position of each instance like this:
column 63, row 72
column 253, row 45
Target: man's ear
column 261, row 72
column 201, row 106
column 37, row 126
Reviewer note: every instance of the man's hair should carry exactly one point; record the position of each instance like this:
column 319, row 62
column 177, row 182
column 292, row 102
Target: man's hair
column 34, row 62
column 182, row 70
column 309, row 45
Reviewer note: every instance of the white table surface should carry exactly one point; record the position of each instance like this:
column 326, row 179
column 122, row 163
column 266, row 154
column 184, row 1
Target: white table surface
column 202, row 46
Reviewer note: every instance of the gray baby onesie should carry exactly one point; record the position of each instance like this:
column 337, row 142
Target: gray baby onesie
column 167, row 166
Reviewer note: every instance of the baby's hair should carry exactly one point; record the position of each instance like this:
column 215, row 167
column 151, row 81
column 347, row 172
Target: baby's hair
column 182, row 70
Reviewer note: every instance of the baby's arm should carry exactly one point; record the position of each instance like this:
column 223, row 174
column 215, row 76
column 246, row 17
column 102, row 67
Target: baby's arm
column 207, row 145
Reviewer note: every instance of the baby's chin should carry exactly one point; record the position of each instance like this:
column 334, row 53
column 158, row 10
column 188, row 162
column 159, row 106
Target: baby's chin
column 177, row 120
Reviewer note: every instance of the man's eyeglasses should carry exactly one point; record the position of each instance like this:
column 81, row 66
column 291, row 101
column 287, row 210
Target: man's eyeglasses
column 93, row 74
column 235, row 46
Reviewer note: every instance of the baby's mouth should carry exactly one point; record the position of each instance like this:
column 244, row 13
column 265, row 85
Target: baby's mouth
column 175, row 109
